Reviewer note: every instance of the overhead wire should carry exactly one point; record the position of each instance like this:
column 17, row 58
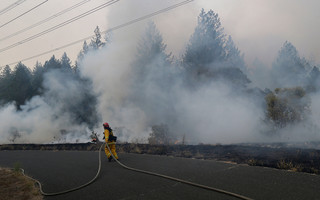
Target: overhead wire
column 10, row 7
column 45, row 20
column 109, row 30
column 60, row 25
column 23, row 13
column 148, row 16
column 130, row 168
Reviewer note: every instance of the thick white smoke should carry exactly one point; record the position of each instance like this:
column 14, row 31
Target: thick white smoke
column 110, row 72
column 211, row 114
column 214, row 114
column 45, row 119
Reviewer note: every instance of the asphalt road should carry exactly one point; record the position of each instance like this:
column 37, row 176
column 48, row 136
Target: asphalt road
column 61, row 170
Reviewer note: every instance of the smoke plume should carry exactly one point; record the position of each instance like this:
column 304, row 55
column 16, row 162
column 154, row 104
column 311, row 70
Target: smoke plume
column 134, row 95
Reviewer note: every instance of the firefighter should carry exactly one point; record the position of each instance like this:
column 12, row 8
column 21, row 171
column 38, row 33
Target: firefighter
column 111, row 141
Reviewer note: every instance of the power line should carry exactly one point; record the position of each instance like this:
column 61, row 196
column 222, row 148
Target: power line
column 46, row 20
column 60, row 25
column 23, row 13
column 109, row 30
column 149, row 15
column 11, row 6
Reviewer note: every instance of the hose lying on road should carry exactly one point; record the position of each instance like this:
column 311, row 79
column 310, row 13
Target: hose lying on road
column 180, row 180
column 73, row 189
column 141, row 171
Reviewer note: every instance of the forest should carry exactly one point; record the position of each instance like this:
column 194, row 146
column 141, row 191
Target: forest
column 174, row 97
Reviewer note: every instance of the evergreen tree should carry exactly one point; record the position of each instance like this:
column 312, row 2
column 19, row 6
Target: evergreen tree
column 152, row 75
column 315, row 73
column 210, row 56
column 151, row 53
column 289, row 70
column 6, row 85
column 314, row 80
column 96, row 42
column 52, row 64
column 84, row 108
column 65, row 63
column 234, row 56
column 206, row 44
column 107, row 38
column 75, row 96
column 21, row 84
column 37, row 79
column 75, row 69
column 6, row 72
column 83, row 52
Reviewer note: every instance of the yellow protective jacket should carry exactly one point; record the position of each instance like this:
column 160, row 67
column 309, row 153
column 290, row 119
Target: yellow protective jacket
column 111, row 144
column 107, row 133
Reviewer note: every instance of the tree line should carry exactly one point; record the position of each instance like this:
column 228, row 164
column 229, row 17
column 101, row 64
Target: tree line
column 210, row 55
column 20, row 84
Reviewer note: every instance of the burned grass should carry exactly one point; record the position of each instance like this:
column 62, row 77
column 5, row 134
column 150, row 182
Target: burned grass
column 287, row 158
column 277, row 156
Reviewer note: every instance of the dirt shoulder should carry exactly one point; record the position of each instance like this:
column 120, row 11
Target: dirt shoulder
column 15, row 186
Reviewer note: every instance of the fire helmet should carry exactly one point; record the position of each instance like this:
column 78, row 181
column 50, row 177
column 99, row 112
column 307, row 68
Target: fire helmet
column 105, row 125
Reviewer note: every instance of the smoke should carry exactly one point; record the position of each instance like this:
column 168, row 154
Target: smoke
column 215, row 112
column 137, row 100
column 132, row 100
column 51, row 117
column 110, row 73
column 38, row 122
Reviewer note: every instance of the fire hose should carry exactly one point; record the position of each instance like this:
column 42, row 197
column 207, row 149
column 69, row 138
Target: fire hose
column 72, row 189
column 140, row 171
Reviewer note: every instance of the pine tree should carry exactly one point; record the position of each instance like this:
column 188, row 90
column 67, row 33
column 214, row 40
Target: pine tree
column 150, row 52
column 96, row 42
column 83, row 52
column 152, row 74
column 210, row 56
column 21, row 84
column 6, row 72
column 234, row 56
column 6, row 85
column 206, row 45
column 315, row 74
column 37, row 79
column 52, row 64
column 65, row 63
column 289, row 70
column 314, row 80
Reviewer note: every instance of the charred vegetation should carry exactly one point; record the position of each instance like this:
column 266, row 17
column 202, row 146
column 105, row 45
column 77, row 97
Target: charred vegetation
column 276, row 155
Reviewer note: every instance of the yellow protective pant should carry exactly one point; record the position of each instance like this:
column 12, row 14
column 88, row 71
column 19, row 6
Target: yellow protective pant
column 112, row 147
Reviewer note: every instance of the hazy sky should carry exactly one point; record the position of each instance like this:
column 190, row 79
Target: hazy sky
column 258, row 27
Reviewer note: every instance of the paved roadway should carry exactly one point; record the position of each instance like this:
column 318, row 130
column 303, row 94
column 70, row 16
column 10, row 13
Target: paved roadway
column 61, row 170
